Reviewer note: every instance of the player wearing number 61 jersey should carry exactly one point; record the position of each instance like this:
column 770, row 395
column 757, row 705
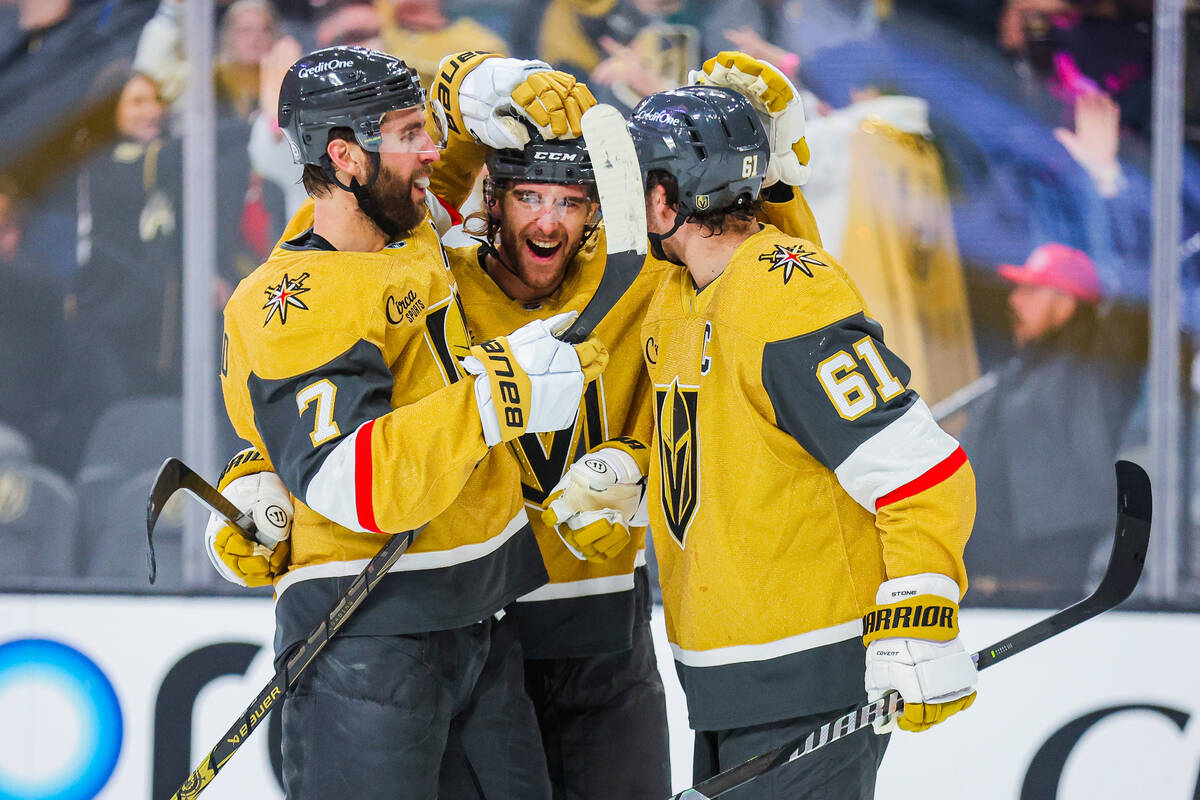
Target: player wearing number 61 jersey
column 797, row 487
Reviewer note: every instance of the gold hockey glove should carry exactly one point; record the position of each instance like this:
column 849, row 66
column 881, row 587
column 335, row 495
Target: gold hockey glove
column 777, row 102
column 249, row 483
column 554, row 102
column 596, row 502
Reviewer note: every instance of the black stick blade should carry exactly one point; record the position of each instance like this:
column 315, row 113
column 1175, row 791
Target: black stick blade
column 1134, row 507
column 1120, row 576
column 1133, row 491
column 166, row 483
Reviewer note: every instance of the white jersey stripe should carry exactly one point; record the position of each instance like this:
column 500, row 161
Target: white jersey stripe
column 587, row 587
column 742, row 653
column 905, row 450
column 331, row 492
column 409, row 562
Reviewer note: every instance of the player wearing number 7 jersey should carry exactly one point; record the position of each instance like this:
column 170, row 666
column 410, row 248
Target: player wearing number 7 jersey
column 347, row 363
column 801, row 495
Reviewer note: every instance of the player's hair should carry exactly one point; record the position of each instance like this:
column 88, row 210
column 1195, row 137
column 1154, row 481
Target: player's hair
column 713, row 221
column 315, row 179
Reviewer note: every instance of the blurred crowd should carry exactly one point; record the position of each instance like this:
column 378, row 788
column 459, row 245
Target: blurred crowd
column 982, row 167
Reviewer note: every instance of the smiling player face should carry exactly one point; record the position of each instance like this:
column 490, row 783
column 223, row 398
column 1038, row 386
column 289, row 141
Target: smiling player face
column 541, row 226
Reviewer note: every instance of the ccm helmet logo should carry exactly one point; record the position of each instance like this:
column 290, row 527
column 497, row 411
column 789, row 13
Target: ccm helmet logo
column 544, row 156
column 324, row 66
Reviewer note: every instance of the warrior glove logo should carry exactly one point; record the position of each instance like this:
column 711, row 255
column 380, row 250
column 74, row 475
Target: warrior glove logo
column 283, row 295
column 675, row 413
column 790, row 258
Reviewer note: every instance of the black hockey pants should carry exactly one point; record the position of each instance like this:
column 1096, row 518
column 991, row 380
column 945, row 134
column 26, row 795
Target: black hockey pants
column 405, row 717
column 843, row 770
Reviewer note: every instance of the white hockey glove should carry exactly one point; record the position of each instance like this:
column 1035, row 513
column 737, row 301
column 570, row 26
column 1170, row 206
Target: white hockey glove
column 248, row 483
column 498, row 93
column 596, row 502
column 778, row 103
column 912, row 643
column 530, row 382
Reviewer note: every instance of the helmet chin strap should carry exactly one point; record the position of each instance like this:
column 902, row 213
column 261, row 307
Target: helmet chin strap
column 361, row 193
column 656, row 241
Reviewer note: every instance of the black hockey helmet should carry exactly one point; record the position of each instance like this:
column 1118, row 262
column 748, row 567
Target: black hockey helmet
column 351, row 87
column 709, row 139
column 543, row 161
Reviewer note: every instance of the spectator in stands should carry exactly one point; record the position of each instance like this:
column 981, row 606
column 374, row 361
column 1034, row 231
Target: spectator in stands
column 248, row 31
column 31, row 321
column 572, row 29
column 356, row 23
column 419, row 32
column 1044, row 440
column 251, row 210
column 125, row 303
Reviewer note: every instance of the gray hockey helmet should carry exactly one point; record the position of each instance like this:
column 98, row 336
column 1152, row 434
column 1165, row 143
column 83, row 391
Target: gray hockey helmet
column 351, row 87
column 709, row 139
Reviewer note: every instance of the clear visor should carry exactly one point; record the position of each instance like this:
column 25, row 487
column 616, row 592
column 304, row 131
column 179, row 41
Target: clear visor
column 559, row 209
column 413, row 133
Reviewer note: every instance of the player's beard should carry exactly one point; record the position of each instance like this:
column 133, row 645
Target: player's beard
column 396, row 212
column 543, row 277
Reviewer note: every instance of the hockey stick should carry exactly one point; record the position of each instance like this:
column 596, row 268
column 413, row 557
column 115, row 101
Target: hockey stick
column 288, row 673
column 619, row 183
column 968, row 394
column 1120, row 577
column 175, row 475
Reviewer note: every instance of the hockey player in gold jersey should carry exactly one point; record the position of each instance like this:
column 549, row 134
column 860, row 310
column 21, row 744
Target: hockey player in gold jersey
column 347, row 362
column 589, row 658
column 796, row 485
column 590, row 666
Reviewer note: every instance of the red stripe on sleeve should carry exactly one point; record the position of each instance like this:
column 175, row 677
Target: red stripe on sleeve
column 455, row 217
column 932, row 477
column 364, row 505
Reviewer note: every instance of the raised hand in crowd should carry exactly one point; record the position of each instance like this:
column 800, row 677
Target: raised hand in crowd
column 274, row 65
column 752, row 44
column 625, row 67
column 1094, row 142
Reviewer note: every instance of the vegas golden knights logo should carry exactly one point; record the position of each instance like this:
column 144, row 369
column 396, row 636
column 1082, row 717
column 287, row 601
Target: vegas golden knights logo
column 544, row 457
column 675, row 415
column 446, row 333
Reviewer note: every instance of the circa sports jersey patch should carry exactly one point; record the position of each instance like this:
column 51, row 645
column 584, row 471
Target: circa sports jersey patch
column 790, row 258
column 283, row 296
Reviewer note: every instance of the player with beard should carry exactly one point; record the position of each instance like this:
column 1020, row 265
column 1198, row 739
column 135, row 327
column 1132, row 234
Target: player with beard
column 589, row 659
column 347, row 364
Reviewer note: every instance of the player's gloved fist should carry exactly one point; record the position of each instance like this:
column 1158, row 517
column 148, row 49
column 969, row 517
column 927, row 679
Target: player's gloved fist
column 530, row 381
column 554, row 102
column 486, row 104
column 594, row 504
column 248, row 483
column 913, row 648
column 776, row 100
